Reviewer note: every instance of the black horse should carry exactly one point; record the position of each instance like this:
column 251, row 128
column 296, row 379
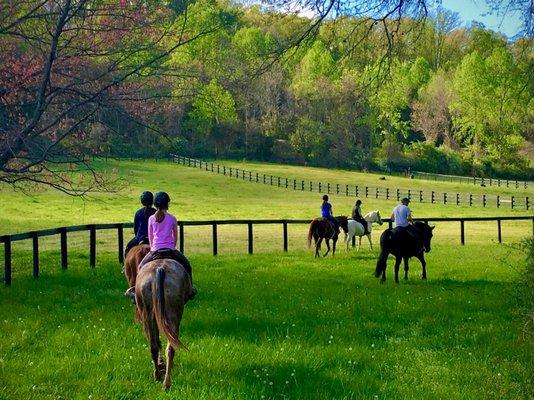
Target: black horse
column 321, row 228
column 403, row 245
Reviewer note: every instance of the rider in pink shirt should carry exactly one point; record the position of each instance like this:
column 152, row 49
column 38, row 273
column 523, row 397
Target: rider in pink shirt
column 163, row 235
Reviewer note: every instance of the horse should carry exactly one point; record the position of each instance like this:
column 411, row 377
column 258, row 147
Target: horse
column 403, row 245
column 162, row 289
column 321, row 228
column 132, row 260
column 357, row 229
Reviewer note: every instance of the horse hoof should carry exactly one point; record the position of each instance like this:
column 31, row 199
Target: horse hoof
column 382, row 281
column 406, row 278
column 424, row 278
column 157, row 375
column 166, row 385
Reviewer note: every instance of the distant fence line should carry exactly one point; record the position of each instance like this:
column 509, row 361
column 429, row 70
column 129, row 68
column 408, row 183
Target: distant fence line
column 93, row 228
column 421, row 196
column 509, row 183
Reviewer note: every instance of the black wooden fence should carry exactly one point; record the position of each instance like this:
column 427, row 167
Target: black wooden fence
column 421, row 196
column 93, row 228
column 477, row 181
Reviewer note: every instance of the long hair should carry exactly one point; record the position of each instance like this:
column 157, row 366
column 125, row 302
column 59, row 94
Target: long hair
column 160, row 214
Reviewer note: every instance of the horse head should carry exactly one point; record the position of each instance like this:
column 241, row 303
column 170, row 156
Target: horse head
column 426, row 234
column 374, row 216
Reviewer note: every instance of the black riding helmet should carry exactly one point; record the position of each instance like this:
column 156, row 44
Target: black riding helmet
column 161, row 200
column 325, row 197
column 147, row 198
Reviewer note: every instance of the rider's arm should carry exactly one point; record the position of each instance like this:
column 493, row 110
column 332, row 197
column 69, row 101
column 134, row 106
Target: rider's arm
column 150, row 233
column 392, row 217
column 409, row 217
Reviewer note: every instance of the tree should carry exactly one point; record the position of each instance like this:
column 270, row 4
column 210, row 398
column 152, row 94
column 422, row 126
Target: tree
column 490, row 105
column 62, row 64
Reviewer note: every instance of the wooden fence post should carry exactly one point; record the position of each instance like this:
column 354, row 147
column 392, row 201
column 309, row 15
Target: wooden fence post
column 498, row 201
column 398, row 195
column 250, row 239
column 483, row 200
column 420, row 196
column 120, row 241
column 63, row 238
column 470, row 200
column 432, row 197
column 356, row 190
column 284, row 225
column 92, row 246
column 214, row 235
column 499, row 230
column 181, row 224
column 319, row 187
column 347, row 190
column 7, row 260
column 462, row 232
column 444, row 197
column 512, row 202
column 377, row 193
column 35, row 242
column 366, row 191
column 457, row 199
column 390, row 224
column 387, row 193
column 328, row 188
column 526, row 202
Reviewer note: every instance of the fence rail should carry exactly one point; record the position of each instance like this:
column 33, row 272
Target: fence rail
column 7, row 240
column 509, row 183
column 421, row 196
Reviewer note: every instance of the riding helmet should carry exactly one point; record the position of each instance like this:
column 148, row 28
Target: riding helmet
column 405, row 200
column 161, row 200
column 325, row 197
column 147, row 198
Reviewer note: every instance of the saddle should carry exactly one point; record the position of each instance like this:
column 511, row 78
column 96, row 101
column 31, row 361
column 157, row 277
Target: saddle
column 167, row 253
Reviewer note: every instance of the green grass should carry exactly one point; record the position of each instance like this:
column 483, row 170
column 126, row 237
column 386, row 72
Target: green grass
column 198, row 195
column 274, row 324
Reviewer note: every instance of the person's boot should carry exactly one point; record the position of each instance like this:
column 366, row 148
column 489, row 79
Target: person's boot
column 130, row 293
column 194, row 292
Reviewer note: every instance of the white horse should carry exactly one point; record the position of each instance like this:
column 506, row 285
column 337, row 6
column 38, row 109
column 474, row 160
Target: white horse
column 357, row 229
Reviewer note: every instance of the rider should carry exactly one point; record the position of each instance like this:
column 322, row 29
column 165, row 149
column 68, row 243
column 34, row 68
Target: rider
column 141, row 221
column 402, row 216
column 163, row 235
column 326, row 212
column 357, row 216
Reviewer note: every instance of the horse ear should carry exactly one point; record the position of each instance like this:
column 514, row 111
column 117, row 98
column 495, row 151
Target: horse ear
column 432, row 227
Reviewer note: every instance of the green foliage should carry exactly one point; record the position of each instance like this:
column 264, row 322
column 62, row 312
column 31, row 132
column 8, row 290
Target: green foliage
column 490, row 105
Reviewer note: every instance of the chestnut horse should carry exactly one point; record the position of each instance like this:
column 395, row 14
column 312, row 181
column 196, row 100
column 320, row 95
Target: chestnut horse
column 132, row 260
column 321, row 228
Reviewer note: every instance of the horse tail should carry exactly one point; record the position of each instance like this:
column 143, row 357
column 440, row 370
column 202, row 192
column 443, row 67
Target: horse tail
column 381, row 263
column 158, row 300
column 310, row 232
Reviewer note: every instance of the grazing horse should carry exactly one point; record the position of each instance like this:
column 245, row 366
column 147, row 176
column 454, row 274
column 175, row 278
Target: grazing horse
column 357, row 229
column 132, row 260
column 403, row 245
column 163, row 287
column 321, row 228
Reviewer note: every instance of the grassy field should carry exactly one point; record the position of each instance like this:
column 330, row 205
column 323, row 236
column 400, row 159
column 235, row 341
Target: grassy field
column 198, row 195
column 272, row 325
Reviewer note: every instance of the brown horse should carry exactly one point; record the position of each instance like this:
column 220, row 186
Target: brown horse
column 161, row 291
column 321, row 228
column 132, row 260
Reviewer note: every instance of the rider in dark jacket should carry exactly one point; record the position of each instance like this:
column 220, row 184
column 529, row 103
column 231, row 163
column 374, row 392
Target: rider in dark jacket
column 141, row 221
column 357, row 216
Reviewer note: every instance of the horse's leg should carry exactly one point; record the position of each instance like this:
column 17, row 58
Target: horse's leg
column 327, row 241
column 406, row 268
column 318, row 246
column 334, row 246
column 421, row 258
column 347, row 240
column 398, row 260
column 359, row 242
column 174, row 316
column 370, row 243
column 155, row 346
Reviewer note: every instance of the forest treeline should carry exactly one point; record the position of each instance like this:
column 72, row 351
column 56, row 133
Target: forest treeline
column 257, row 84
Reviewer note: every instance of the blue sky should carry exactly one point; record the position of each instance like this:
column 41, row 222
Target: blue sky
column 477, row 10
